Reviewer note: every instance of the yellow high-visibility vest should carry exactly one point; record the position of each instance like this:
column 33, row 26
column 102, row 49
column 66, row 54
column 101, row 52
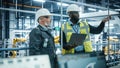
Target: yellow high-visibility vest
column 84, row 29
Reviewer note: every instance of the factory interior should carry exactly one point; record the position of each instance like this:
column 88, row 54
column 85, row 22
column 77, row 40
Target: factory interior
column 17, row 19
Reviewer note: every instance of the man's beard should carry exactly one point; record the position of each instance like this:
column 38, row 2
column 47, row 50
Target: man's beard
column 75, row 19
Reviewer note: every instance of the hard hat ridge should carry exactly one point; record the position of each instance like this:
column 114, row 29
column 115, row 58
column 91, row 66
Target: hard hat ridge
column 42, row 12
column 73, row 7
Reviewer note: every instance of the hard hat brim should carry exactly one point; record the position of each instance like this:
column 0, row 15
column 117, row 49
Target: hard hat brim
column 47, row 15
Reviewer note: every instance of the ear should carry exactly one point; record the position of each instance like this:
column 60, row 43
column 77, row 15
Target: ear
column 70, row 15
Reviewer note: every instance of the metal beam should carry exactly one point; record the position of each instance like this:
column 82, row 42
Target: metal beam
column 97, row 14
column 9, row 49
column 84, row 15
column 22, row 5
column 17, row 10
column 84, row 4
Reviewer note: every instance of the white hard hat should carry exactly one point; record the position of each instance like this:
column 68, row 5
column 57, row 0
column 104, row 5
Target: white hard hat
column 73, row 7
column 42, row 12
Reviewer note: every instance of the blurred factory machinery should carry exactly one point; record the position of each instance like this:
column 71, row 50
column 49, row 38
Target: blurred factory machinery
column 17, row 19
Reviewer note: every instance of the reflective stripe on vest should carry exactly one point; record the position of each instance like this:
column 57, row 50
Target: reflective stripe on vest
column 84, row 29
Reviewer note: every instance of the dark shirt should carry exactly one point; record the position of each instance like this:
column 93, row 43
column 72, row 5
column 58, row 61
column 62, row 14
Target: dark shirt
column 97, row 30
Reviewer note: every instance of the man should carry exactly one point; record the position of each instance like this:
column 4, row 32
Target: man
column 40, row 39
column 75, row 25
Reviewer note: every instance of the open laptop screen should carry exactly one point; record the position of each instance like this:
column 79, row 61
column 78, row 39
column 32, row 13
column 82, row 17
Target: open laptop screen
column 77, row 39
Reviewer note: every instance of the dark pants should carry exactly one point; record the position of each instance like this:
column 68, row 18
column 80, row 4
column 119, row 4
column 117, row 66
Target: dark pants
column 54, row 62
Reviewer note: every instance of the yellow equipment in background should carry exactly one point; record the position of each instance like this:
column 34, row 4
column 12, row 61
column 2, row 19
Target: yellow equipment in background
column 15, row 40
column 111, row 51
column 56, row 39
column 105, row 49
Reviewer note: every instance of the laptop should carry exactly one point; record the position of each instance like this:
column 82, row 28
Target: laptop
column 77, row 39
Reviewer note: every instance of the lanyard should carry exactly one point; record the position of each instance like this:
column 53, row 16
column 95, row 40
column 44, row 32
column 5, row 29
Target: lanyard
column 75, row 28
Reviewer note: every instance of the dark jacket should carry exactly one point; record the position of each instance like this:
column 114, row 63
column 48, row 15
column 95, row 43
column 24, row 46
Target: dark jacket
column 37, row 40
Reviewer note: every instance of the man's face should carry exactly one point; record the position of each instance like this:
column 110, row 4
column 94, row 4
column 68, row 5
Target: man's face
column 74, row 15
column 46, row 20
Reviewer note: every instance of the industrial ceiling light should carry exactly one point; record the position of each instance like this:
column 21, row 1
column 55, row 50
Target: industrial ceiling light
column 117, row 9
column 63, row 4
column 91, row 9
column 27, row 16
column 40, row 0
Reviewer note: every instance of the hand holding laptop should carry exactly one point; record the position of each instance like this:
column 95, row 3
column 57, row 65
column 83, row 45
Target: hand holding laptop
column 71, row 46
